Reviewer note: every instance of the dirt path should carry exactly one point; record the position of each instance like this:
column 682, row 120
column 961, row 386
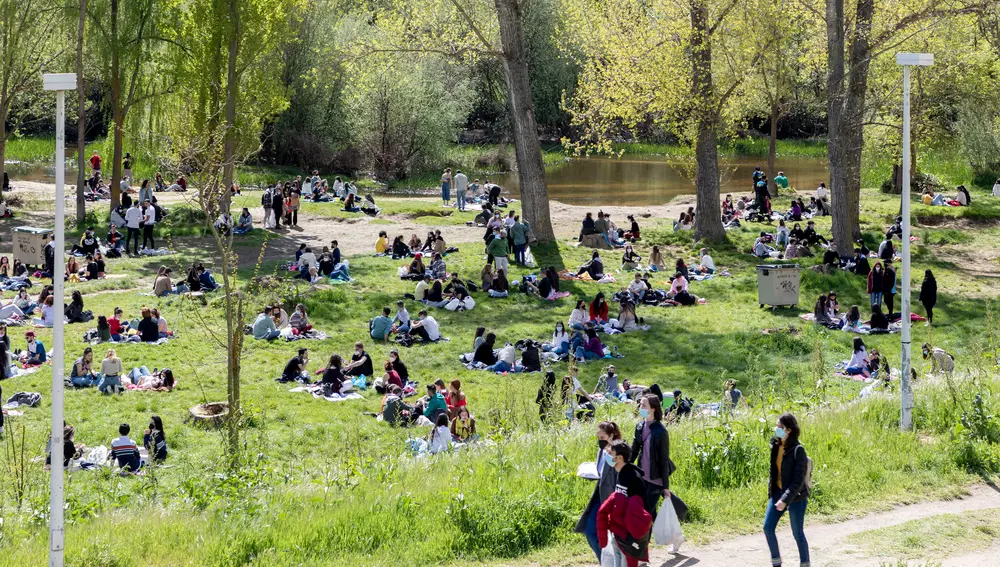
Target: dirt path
column 827, row 542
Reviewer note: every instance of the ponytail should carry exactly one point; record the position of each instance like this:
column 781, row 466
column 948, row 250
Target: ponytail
column 610, row 428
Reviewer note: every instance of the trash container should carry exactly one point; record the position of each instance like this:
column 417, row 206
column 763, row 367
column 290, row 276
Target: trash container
column 778, row 285
column 29, row 244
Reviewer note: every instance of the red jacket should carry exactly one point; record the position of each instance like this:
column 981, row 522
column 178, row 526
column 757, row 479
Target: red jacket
column 600, row 314
column 623, row 516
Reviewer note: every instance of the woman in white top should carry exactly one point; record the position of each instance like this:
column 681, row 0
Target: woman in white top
column 111, row 371
column 161, row 323
column 859, row 360
column 996, row 188
column 821, row 192
column 440, row 439
column 579, row 316
column 48, row 312
column 560, row 341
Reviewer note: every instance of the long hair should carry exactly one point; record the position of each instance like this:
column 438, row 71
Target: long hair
column 610, row 428
column 791, row 426
column 656, row 405
column 158, row 425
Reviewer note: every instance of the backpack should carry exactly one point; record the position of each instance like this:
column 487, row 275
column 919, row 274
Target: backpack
column 266, row 199
column 808, row 483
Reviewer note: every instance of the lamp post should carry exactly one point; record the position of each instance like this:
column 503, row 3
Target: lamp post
column 59, row 82
column 907, row 60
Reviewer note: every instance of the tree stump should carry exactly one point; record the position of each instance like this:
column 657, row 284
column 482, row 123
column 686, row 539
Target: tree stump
column 595, row 241
column 212, row 414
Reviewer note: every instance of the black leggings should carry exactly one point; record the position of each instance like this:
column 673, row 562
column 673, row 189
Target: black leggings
column 887, row 299
column 147, row 236
column 930, row 312
column 132, row 236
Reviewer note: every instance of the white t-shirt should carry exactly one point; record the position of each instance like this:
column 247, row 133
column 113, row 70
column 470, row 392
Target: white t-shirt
column 440, row 440
column 578, row 317
column 560, row 340
column 637, row 286
column 858, row 358
column 431, row 325
column 307, row 259
column 508, row 354
column 151, row 214
column 404, row 316
column 133, row 217
column 707, row 262
column 821, row 192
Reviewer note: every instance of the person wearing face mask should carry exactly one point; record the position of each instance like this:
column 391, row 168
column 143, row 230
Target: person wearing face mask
column 623, row 514
column 787, row 488
column 607, row 477
column 607, row 384
column 155, row 440
column 361, row 363
column 651, row 451
column 560, row 341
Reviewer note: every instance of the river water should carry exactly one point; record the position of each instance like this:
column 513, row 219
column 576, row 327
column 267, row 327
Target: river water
column 654, row 180
column 626, row 181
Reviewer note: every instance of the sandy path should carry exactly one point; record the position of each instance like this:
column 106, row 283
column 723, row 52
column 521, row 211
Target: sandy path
column 827, row 545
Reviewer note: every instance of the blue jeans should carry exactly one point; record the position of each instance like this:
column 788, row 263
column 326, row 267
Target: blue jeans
column 110, row 384
column 876, row 298
column 85, row 381
column 460, row 196
column 586, row 354
column 500, row 366
column 271, row 335
column 797, row 515
column 577, row 327
column 590, row 530
column 519, row 250
column 559, row 350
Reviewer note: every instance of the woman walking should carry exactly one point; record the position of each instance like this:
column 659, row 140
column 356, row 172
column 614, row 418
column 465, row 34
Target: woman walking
column 787, row 489
column 875, row 285
column 928, row 295
column 607, row 477
column 651, row 451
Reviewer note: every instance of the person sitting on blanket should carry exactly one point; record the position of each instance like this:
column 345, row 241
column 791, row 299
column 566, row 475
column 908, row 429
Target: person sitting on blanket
column 852, row 320
column 382, row 244
column 530, row 358
column 594, row 267
column 633, row 232
column 638, row 288
column 630, row 260
column 454, row 397
column 161, row 324
column 124, row 451
column 706, row 264
column 878, row 322
column 350, row 204
column 484, row 352
column 760, row 249
column 82, row 374
column 435, row 404
column 438, row 269
column 307, row 260
column 148, row 328
column 154, row 439
column 263, row 326
column 435, row 295
column 861, row 266
column 479, row 338
column 35, row 354
column 361, row 362
column 244, row 224
column 48, row 312
column 858, row 364
column 832, row 306
column 425, row 327
column 400, row 249
column 295, row 368
column 299, row 321
column 559, row 345
column 543, row 286
column 394, row 410
column 656, row 262
column 500, row 287
column 598, row 309
column 421, row 289
column 280, row 316
column 679, row 290
column 24, row 302
column 333, row 381
column 111, row 372
column 206, row 278
column 414, row 243
column 627, row 320
column 592, row 348
column 416, row 269
column 381, row 326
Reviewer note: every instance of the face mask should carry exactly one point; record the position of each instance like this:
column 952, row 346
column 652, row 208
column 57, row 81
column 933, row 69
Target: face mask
column 602, row 443
column 609, row 459
column 779, row 432
column 643, row 413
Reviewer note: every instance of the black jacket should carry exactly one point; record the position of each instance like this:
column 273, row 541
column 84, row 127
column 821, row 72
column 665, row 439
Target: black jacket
column 605, row 488
column 661, row 467
column 888, row 281
column 485, row 354
column 928, row 292
column 793, row 473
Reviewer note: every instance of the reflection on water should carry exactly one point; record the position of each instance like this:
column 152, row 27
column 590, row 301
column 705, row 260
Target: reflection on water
column 637, row 181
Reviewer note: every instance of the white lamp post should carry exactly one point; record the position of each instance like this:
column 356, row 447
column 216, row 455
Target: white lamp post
column 59, row 82
column 907, row 60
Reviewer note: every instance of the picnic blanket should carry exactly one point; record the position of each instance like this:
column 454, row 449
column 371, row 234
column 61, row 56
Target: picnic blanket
column 317, row 392
column 314, row 335
column 567, row 275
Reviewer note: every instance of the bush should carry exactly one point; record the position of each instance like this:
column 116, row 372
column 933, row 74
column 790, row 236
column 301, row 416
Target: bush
column 733, row 461
column 495, row 525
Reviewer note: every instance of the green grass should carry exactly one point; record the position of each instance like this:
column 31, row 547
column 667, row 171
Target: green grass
column 937, row 536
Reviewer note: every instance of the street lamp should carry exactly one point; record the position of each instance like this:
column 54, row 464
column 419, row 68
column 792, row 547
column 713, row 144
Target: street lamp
column 907, row 60
column 59, row 82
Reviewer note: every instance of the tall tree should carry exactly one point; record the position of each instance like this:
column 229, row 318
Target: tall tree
column 27, row 29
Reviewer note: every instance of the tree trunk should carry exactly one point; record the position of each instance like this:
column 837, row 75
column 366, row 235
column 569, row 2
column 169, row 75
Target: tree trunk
column 772, row 149
column 528, row 150
column 81, row 120
column 232, row 91
column 708, row 220
column 3, row 148
column 835, row 32
column 118, row 113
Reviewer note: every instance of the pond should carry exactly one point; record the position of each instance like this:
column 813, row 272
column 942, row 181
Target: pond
column 654, row 180
column 627, row 181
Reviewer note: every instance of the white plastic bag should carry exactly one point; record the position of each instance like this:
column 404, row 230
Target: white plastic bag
column 666, row 528
column 529, row 259
column 402, row 271
column 608, row 553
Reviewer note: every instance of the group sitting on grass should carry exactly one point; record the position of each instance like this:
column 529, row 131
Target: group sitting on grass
column 407, row 330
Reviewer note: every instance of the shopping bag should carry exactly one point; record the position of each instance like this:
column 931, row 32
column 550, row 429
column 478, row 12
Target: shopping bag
column 667, row 528
column 680, row 508
column 608, row 554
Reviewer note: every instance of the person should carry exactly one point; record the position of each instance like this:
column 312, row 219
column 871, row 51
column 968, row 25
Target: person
column 154, row 439
column 421, row 289
column 623, row 513
column 163, row 286
column 656, row 262
column 74, row 311
column 124, row 451
column 484, row 351
column 651, row 451
column 607, row 477
column 455, row 398
column 963, row 197
column 333, row 379
column 263, row 326
column 111, row 371
column 439, row 439
column 545, row 396
column 435, row 295
column 6, row 365
column 633, row 232
column 161, row 323
column 461, row 188
column 858, row 364
column 598, row 312
column 395, row 411
column 278, row 206
column 148, row 222
column 875, row 284
column 706, row 264
column 381, row 326
column 762, row 250
column 498, row 249
column 95, row 161
column 438, row 269
column 382, row 244
column 82, row 374
column 638, row 288
column 69, row 446
column 519, row 236
column 859, row 265
column 787, row 488
column 852, row 320
column 608, row 383
column 133, row 223
column 878, row 320
column 446, row 187
column 579, row 316
column 148, row 328
column 630, row 260
column 244, row 223
column 888, row 288
column 594, row 267
column 35, row 354
column 463, row 425
column 732, row 396
column 928, row 295
column 499, row 287
column 530, row 359
column 295, row 368
column 679, row 290
column 361, row 362
column 48, row 312
column 886, row 250
column 781, row 181
column 117, row 325
column 941, row 361
column 590, row 348
column 435, row 405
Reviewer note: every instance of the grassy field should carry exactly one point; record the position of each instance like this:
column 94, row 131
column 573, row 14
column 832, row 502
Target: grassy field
column 325, row 484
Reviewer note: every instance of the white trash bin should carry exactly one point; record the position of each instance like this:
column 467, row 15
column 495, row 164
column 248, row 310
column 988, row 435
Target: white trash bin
column 778, row 285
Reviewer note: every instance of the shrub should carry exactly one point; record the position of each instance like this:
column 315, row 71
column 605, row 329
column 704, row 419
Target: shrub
column 496, row 525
